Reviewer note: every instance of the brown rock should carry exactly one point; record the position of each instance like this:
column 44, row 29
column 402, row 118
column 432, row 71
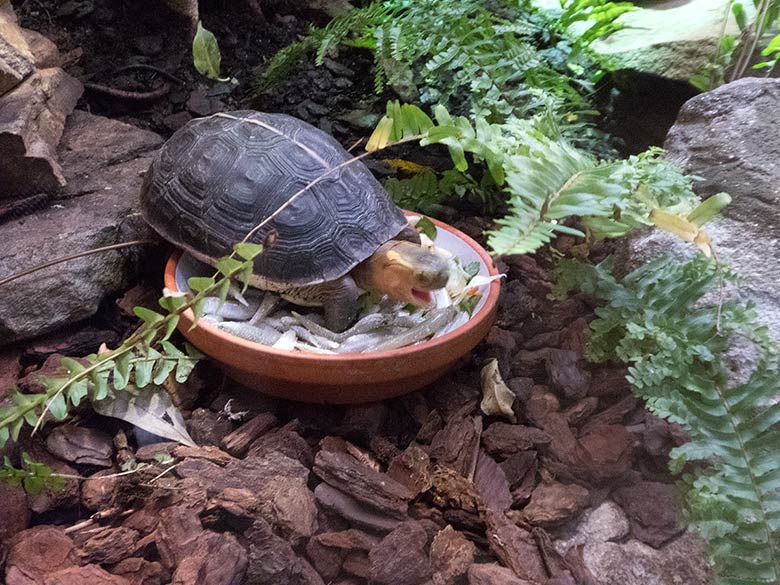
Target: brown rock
column 35, row 553
column 566, row 378
column 286, row 442
column 652, row 509
column 91, row 574
column 45, row 53
column 554, row 503
column 457, row 443
column 177, row 534
column 375, row 489
column 139, row 571
column 353, row 510
column 80, row 445
column 99, row 492
column 515, row 547
column 288, row 505
column 451, row 556
column 32, row 120
column 202, row 105
column 15, row 56
column 412, row 469
column 237, row 443
column 109, row 545
column 13, row 510
column 217, row 559
column 400, row 557
column 175, row 121
column 493, row 574
column 502, row 439
column 492, row 484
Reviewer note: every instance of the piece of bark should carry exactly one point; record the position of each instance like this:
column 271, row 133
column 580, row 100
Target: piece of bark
column 153, row 450
column 271, row 559
column 520, row 470
column 139, row 571
column 91, row 574
column 237, row 443
column 44, row 52
column 32, row 120
column 502, row 440
column 613, row 415
column 108, row 546
column 80, row 445
column 353, row 511
column 449, row 489
column 451, row 556
column 376, row 490
column 217, row 559
column 357, row 563
column 62, row 497
column 412, row 469
column 432, row 425
column 456, row 445
column 493, row 574
column 609, row 449
column 284, row 441
column 99, row 491
column 555, row 503
column 36, row 552
column 207, row 452
column 540, row 405
column 289, row 506
column 177, row 535
column 491, row 483
column 566, row 378
column 652, row 509
column 207, row 427
column 235, row 503
column 515, row 547
column 400, row 557
column 325, row 559
column 579, row 412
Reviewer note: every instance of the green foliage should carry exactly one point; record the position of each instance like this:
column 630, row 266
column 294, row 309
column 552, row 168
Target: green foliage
column 545, row 179
column 599, row 16
column 473, row 56
column 205, row 53
column 33, row 477
column 676, row 346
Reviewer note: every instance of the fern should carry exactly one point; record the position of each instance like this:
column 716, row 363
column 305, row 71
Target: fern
column 676, row 345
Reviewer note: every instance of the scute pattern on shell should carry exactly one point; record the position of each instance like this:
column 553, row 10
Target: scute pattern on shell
column 217, row 178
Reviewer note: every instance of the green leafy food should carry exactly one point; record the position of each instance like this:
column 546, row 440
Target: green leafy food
column 426, row 226
column 205, row 53
column 469, row 303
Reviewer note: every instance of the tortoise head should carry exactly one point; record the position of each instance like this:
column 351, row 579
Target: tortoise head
column 405, row 271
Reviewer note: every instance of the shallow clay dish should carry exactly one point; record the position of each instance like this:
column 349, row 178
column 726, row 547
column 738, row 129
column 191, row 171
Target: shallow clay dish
column 345, row 378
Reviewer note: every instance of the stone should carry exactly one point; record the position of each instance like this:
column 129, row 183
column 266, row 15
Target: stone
column 36, row 552
column 44, row 52
column 53, row 297
column 91, row 574
column 80, row 445
column 683, row 560
column 554, row 503
column 493, row 574
column 668, row 38
column 15, row 56
column 139, row 571
column 606, row 523
column 13, row 510
column 653, row 509
column 400, row 557
column 730, row 138
column 32, row 121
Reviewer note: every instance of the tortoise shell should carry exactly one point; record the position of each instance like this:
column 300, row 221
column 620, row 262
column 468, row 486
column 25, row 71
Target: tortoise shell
column 218, row 177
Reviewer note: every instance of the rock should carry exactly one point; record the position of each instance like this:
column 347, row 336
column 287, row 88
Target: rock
column 15, row 56
column 44, row 52
column 80, row 445
column 91, row 574
column 139, row 571
column 400, row 557
column 668, row 38
column 554, row 503
column 376, row 490
column 32, row 120
column 56, row 296
column 451, row 556
column 492, row 484
column 36, row 552
column 653, row 509
column 515, row 547
column 353, row 510
column 109, row 545
column 493, row 574
column 13, row 510
column 607, row 523
column 237, row 443
column 502, row 440
column 217, row 559
column 175, row 121
column 633, row 563
column 730, row 138
column 202, row 105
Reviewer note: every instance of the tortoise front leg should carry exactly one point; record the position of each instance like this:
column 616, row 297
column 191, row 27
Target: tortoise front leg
column 340, row 303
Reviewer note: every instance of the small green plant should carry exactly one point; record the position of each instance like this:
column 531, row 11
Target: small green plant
column 33, row 477
column 676, row 344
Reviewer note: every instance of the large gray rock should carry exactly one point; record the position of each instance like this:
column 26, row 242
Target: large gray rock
column 731, row 138
column 32, row 120
column 16, row 60
column 103, row 210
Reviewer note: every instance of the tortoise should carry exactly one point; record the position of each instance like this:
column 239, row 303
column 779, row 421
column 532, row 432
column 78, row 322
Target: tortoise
column 220, row 176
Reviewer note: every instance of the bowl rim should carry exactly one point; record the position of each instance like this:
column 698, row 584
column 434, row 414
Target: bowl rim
column 484, row 313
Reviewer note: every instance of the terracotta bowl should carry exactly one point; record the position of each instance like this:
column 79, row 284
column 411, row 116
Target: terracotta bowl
column 344, row 378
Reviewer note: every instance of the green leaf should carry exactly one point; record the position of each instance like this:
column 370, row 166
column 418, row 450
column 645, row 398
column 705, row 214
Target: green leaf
column 147, row 315
column 170, row 326
column 205, row 53
column 16, row 426
column 229, row 266
column 71, row 366
column 200, row 283
column 469, row 303
column 58, row 407
column 739, row 15
column 5, row 434
column 100, row 381
column 172, row 303
column 122, row 368
column 427, row 227
column 471, row 269
column 222, row 291
column 162, row 370
column 248, row 250
column 197, row 311
column 77, row 391
column 708, row 209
